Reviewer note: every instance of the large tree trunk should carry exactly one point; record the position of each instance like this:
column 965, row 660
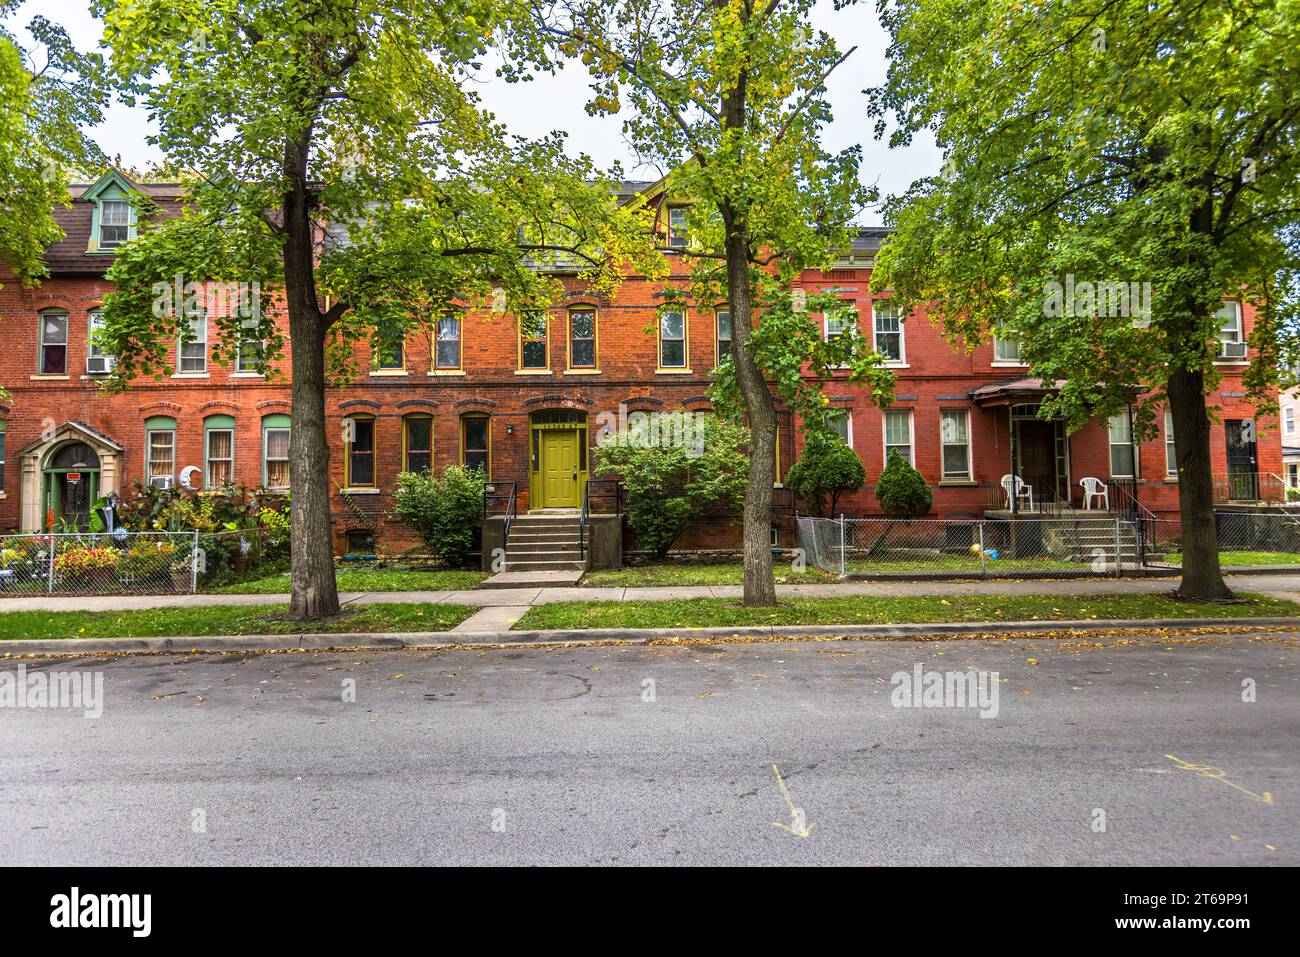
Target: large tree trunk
column 1202, row 577
column 760, row 587
column 314, row 593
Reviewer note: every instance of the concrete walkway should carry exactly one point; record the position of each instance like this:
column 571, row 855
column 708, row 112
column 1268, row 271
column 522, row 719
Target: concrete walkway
column 1279, row 586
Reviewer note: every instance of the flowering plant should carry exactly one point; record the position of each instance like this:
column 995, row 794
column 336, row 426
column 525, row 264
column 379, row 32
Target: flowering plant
column 83, row 562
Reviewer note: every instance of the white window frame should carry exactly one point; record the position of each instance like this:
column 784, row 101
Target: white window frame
column 845, row 415
column 1288, row 420
column 199, row 322
column 1234, row 337
column 717, row 335
column 95, row 319
column 208, row 484
column 258, row 366
column 681, row 313
column 678, row 237
column 911, row 434
column 944, row 444
column 103, row 222
column 266, row 471
column 41, row 344
column 876, row 333
column 1126, row 442
column 150, row 476
column 999, row 347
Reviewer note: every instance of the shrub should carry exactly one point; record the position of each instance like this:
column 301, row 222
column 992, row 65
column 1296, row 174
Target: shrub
column 827, row 467
column 445, row 510
column 669, row 482
column 147, row 559
column 902, row 492
column 81, row 562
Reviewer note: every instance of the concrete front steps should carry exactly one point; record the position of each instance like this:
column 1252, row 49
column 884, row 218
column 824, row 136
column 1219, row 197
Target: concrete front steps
column 541, row 550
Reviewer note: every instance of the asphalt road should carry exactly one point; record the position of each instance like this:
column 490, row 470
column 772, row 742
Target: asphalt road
column 519, row 756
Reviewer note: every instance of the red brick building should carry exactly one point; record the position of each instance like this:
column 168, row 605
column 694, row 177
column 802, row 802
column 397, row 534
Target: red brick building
column 526, row 399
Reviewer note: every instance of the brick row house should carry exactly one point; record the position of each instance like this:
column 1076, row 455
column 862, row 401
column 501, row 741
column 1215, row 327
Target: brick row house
column 524, row 399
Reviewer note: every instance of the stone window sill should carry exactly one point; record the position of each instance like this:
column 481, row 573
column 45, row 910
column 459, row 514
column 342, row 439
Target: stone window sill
column 673, row 372
column 49, row 377
column 534, row 372
column 446, row 372
column 582, row 372
column 359, row 491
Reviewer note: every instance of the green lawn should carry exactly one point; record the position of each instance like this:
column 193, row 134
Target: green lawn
column 1246, row 558
column 961, row 563
column 641, row 576
column 225, row 620
column 866, row 610
column 366, row 579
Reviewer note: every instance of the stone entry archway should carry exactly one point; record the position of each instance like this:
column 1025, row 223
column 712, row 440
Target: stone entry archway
column 46, row 463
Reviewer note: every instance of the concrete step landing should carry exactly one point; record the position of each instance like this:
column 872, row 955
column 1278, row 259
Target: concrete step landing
column 555, row 578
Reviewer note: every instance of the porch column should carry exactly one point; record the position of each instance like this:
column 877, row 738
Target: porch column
column 1011, row 446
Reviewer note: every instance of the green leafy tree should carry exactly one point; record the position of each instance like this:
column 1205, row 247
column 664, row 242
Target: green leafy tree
column 340, row 163
column 827, row 466
column 1107, row 142
column 675, row 468
column 49, row 94
column 443, row 509
column 902, row 490
column 732, row 98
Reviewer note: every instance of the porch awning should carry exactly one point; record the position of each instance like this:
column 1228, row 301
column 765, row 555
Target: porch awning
column 1024, row 389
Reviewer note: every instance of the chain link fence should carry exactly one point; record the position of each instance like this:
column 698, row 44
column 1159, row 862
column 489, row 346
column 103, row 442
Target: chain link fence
column 1067, row 545
column 125, row 563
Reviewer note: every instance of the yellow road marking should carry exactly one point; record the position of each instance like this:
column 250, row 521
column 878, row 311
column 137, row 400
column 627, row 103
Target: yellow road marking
column 797, row 826
column 1218, row 774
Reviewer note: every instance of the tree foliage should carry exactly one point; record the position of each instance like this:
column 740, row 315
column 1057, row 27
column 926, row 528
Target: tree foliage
column 827, row 466
column 670, row 483
column 731, row 98
column 1103, row 143
column 902, row 490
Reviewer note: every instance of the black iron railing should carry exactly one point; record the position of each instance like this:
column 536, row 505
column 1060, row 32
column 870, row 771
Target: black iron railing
column 500, row 495
column 1033, row 498
column 1249, row 487
column 594, row 492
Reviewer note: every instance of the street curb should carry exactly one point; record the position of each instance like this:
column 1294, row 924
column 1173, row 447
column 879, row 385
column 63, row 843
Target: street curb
column 362, row 641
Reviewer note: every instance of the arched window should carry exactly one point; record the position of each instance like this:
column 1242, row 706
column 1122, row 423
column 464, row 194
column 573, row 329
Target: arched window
column 417, row 443
column 275, row 451
column 160, row 451
column 360, row 447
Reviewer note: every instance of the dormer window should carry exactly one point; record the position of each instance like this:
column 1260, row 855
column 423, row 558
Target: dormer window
column 114, row 223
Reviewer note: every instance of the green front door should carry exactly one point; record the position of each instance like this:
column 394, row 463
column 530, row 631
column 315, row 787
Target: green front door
column 559, row 468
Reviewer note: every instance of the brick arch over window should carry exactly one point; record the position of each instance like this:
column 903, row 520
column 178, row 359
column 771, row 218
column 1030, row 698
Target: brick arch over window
column 558, row 401
column 359, row 404
column 642, row 402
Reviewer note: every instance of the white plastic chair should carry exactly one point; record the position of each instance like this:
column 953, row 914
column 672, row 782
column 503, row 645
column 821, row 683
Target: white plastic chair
column 1015, row 486
column 1094, row 488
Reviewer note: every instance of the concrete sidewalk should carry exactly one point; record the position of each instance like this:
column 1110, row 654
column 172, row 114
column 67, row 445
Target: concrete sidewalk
column 1278, row 586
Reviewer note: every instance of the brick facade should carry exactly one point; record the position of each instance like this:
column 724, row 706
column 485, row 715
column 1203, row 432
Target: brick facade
column 489, row 381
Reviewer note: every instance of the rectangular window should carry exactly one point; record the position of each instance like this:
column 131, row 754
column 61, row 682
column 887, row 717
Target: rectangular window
column 275, row 457
column 898, row 434
column 192, row 350
column 1232, row 342
column 419, row 443
column 391, row 356
column 361, row 454
column 114, row 223
column 724, row 335
column 447, row 350
column 672, row 339
column 1006, row 350
column 161, row 466
column 677, row 237
column 954, row 436
column 533, row 353
column 474, row 451
column 1121, row 447
column 1171, row 453
column 53, row 343
column 97, row 360
column 2, row 456
column 889, row 330
column 219, row 462
column 582, row 339
column 250, row 355
column 1288, row 420
column 842, row 424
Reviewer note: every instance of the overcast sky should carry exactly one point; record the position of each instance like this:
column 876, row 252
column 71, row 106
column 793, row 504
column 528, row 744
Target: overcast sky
column 556, row 103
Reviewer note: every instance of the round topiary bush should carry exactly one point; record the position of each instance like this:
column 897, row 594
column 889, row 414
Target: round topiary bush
column 902, row 491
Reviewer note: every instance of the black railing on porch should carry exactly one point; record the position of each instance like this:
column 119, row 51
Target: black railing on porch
column 502, row 496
